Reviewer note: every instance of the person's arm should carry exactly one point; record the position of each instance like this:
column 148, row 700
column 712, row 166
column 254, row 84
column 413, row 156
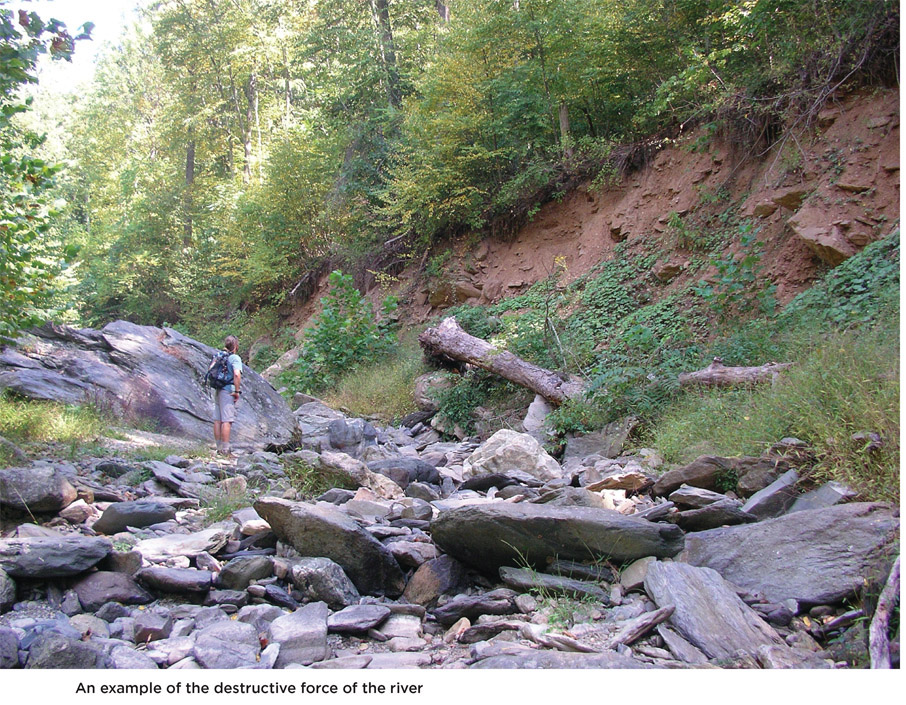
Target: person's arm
column 237, row 381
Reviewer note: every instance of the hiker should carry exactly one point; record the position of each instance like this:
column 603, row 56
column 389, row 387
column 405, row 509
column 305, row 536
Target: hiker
column 225, row 375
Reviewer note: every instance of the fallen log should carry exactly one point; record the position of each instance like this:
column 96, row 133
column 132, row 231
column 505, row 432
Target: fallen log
column 449, row 340
column 718, row 375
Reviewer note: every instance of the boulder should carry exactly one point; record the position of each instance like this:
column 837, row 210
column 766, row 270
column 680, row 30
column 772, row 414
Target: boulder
column 509, row 450
column 726, row 512
column 528, row 580
column 120, row 515
column 818, row 556
column 140, row 372
column 354, row 472
column 302, row 635
column 176, row 580
column 322, row 580
column 322, row 530
column 829, row 494
column 51, row 650
column 606, row 443
column 440, row 576
column 47, row 557
column 496, row 602
column 707, row 472
column 36, row 489
column 774, row 499
column 239, row 572
column 427, row 388
column 404, row 471
column 489, row 536
column 189, row 545
column 357, row 619
column 227, row 644
column 534, row 659
column 7, row 591
column 708, row 611
column 99, row 588
column 313, row 420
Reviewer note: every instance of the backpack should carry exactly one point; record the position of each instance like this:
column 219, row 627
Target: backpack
column 219, row 374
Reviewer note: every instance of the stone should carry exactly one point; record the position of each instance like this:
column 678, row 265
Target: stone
column 633, row 575
column 176, row 580
column 128, row 562
column 572, row 497
column 159, row 549
column 509, row 450
column 443, row 575
column 829, row 494
column 726, row 512
column 708, row 611
column 123, row 656
column 7, row 591
column 78, row 512
column 302, row 635
column 497, row 602
column 535, row 419
column 503, row 534
column 239, row 573
column 357, row 619
column 695, row 497
column 102, row 587
column 756, row 473
column 818, row 556
column 774, row 499
column 227, row 644
column 412, row 554
column 404, row 471
column 784, row 657
column 629, row 477
column 828, row 243
column 526, row 580
column 706, row 471
column 141, row 371
column 427, row 387
column 791, row 198
column 763, row 209
column 249, row 522
column 90, row 626
column 402, row 626
column 607, row 443
column 666, row 271
column 535, row 659
column 36, row 489
column 323, row 530
column 120, row 515
column 151, row 626
column 351, row 435
column 9, row 648
column 51, row 557
column 321, row 579
column 356, row 473
column 51, row 650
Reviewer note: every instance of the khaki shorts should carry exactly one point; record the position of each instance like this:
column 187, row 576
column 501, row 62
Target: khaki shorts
column 224, row 407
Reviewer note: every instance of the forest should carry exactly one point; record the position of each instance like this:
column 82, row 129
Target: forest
column 226, row 150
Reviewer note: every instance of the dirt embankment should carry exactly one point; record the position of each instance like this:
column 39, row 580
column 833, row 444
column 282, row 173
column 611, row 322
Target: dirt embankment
column 816, row 197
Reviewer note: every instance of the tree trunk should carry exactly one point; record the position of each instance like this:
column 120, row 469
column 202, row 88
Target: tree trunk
column 380, row 10
column 187, row 199
column 442, row 10
column 450, row 341
column 564, row 131
column 717, row 375
column 878, row 641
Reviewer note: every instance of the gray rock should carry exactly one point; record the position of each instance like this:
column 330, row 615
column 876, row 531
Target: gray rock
column 102, row 587
column 351, row 436
column 527, row 580
column 151, row 373
column 357, row 619
column 774, row 499
column 443, row 575
column 571, row 497
column 188, row 545
column 606, row 443
column 695, row 497
column 36, row 489
column 123, row 656
column 829, row 494
column 120, row 515
column 404, row 471
column 313, row 421
column 509, row 450
column 227, row 644
column 151, row 626
column 9, row 648
column 302, row 635
column 754, row 474
column 321, row 579
column 633, row 576
column 493, row 535
column 707, row 471
column 324, row 531
column 680, row 648
column 820, row 556
column 239, row 573
column 725, row 512
column 7, row 591
column 226, row 598
column 533, row 659
column 412, row 554
column 176, row 580
column 708, row 611
column 57, row 651
column 498, row 602
column 51, row 557
column 128, row 562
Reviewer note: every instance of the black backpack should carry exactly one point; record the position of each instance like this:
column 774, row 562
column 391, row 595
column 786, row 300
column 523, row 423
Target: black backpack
column 219, row 374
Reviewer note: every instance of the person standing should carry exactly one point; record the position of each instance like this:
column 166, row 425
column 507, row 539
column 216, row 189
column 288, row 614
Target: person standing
column 226, row 398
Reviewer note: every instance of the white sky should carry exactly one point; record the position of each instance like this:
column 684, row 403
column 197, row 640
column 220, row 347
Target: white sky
column 109, row 18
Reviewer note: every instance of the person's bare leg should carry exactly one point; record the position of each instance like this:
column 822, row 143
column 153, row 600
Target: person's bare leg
column 225, row 429
column 218, row 431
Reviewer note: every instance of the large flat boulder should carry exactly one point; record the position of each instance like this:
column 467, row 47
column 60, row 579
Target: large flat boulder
column 497, row 534
column 140, row 372
column 322, row 530
column 47, row 557
column 36, row 489
column 818, row 556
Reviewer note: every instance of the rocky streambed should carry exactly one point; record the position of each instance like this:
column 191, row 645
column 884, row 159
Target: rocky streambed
column 424, row 553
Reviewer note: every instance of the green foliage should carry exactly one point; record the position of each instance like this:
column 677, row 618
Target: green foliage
column 310, row 482
column 346, row 335
column 219, row 504
column 737, row 288
column 29, row 259
column 457, row 404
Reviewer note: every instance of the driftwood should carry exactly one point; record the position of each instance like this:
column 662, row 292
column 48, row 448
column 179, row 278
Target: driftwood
column 878, row 641
column 718, row 375
column 448, row 340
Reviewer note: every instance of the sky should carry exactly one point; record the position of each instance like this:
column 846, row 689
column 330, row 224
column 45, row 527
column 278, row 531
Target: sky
column 109, row 18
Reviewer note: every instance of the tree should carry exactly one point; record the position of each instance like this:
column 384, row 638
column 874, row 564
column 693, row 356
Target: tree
column 27, row 262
